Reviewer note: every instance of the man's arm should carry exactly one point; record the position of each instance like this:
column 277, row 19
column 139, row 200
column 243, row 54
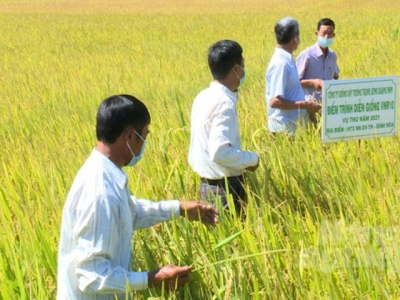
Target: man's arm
column 281, row 103
column 337, row 69
column 147, row 213
column 170, row 276
column 98, row 238
column 315, row 83
column 221, row 142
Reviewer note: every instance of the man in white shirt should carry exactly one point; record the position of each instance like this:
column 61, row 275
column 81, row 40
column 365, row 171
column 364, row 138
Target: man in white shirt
column 287, row 107
column 100, row 214
column 215, row 151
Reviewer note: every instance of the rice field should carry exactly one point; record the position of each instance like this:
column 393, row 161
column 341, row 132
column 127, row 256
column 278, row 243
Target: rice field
column 322, row 219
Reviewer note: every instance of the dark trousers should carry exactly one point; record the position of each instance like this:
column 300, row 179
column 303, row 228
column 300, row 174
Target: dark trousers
column 210, row 189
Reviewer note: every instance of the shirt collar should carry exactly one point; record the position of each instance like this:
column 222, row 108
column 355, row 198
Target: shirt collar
column 116, row 173
column 224, row 89
column 319, row 50
column 283, row 52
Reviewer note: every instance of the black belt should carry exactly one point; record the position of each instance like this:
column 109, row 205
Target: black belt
column 221, row 182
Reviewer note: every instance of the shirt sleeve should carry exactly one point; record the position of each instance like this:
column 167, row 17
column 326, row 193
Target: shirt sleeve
column 302, row 64
column 277, row 78
column 97, row 240
column 224, row 130
column 337, row 69
column 146, row 213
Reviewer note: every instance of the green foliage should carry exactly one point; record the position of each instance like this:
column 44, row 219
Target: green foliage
column 321, row 220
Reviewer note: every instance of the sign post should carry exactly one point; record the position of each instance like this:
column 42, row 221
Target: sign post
column 359, row 108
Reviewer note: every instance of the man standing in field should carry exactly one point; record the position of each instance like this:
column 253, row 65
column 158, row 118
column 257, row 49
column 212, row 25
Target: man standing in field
column 318, row 62
column 100, row 214
column 215, row 151
column 287, row 107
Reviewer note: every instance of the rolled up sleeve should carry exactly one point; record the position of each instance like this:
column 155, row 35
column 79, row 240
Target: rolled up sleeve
column 147, row 213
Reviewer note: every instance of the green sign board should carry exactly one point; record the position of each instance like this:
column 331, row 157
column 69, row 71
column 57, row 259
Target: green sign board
column 359, row 108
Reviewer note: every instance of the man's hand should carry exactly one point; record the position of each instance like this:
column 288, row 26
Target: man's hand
column 173, row 277
column 317, row 83
column 199, row 211
column 311, row 106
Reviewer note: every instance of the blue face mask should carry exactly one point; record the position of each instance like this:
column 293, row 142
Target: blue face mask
column 325, row 42
column 135, row 159
column 243, row 79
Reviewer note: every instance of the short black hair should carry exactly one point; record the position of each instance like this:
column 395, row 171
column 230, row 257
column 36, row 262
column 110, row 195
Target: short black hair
column 222, row 56
column 118, row 112
column 285, row 29
column 325, row 22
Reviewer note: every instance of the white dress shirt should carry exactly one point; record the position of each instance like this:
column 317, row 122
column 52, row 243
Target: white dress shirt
column 99, row 218
column 215, row 150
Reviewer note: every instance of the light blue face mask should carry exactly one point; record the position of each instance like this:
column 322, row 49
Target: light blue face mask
column 325, row 42
column 242, row 80
column 135, row 159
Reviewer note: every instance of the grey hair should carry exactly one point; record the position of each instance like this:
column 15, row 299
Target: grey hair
column 285, row 29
